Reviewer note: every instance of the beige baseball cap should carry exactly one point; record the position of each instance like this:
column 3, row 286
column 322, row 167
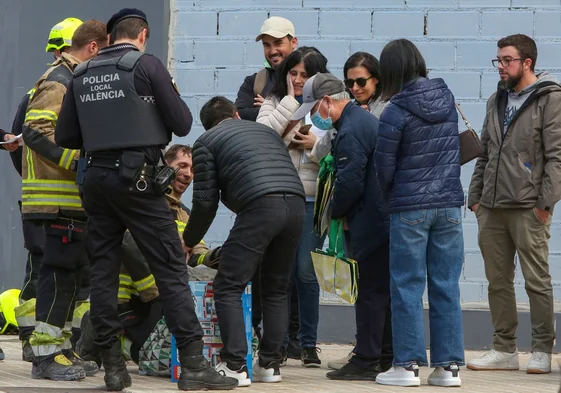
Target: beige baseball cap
column 276, row 27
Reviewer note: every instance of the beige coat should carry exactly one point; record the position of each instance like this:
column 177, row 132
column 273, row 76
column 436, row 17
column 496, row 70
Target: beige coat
column 276, row 114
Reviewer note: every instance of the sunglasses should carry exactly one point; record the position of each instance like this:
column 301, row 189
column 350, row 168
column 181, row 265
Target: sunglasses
column 361, row 82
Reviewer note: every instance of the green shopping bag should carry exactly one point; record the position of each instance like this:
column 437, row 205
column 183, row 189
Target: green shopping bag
column 336, row 274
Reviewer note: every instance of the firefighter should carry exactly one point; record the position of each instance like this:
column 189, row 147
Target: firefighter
column 50, row 196
column 122, row 108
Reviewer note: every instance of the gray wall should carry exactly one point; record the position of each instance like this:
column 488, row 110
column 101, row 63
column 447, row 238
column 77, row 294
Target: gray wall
column 24, row 28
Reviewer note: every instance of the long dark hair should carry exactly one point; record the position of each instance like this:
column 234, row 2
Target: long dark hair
column 314, row 62
column 400, row 62
column 369, row 62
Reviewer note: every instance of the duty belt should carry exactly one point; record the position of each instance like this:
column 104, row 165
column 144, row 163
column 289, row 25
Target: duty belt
column 112, row 163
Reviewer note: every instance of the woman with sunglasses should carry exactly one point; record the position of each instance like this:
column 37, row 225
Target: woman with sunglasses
column 276, row 111
column 418, row 169
column 362, row 79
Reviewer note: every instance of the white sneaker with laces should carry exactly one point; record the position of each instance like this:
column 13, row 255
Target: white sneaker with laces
column 495, row 360
column 241, row 375
column 268, row 375
column 400, row 376
column 540, row 363
column 445, row 376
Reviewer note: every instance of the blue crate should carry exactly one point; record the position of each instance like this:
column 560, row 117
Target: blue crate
column 203, row 295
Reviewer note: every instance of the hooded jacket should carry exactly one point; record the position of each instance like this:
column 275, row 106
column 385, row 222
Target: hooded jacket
column 521, row 162
column 418, row 149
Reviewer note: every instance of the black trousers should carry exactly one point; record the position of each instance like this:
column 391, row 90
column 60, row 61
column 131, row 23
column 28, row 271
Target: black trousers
column 266, row 232
column 114, row 205
column 60, row 276
column 372, row 311
column 34, row 243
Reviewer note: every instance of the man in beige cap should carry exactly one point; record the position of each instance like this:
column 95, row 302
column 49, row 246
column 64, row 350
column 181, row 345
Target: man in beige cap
column 279, row 40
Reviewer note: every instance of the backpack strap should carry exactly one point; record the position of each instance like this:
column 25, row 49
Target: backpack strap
column 129, row 60
column 260, row 81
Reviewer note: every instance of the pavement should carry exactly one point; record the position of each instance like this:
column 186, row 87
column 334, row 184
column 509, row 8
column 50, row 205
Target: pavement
column 15, row 378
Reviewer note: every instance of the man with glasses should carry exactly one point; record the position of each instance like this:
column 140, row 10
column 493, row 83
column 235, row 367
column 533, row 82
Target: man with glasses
column 514, row 188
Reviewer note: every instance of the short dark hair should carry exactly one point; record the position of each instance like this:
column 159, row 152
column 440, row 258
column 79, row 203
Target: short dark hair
column 314, row 62
column 215, row 110
column 90, row 31
column 129, row 28
column 400, row 62
column 173, row 150
column 368, row 61
column 523, row 44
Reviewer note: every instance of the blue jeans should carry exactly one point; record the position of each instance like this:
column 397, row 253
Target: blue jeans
column 426, row 247
column 304, row 276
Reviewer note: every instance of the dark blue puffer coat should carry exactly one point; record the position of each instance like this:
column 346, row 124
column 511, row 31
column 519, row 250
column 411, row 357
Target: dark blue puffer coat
column 418, row 149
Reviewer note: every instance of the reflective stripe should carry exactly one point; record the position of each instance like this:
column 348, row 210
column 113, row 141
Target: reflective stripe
column 31, row 93
column 68, row 185
column 46, row 339
column 35, row 114
column 30, row 168
column 125, row 279
column 79, row 312
column 201, row 259
column 66, row 158
column 125, row 293
column 145, row 283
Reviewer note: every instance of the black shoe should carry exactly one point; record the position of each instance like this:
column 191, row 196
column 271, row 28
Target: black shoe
column 352, row 372
column 26, row 351
column 56, row 367
column 85, row 347
column 90, row 367
column 196, row 373
column 1, row 354
column 116, row 375
column 293, row 350
column 284, row 357
column 385, row 365
column 310, row 357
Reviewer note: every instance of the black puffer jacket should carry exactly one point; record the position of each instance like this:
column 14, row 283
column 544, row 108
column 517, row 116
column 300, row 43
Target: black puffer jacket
column 237, row 162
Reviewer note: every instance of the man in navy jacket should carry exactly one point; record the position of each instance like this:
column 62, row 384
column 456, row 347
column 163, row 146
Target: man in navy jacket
column 357, row 199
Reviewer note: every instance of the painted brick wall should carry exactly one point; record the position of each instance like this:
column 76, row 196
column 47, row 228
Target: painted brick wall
column 212, row 49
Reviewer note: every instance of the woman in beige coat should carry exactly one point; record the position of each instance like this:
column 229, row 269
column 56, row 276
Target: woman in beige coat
column 276, row 112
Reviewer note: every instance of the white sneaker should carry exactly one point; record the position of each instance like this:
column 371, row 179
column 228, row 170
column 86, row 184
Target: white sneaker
column 267, row 375
column 400, row 376
column 445, row 376
column 495, row 360
column 540, row 363
column 241, row 375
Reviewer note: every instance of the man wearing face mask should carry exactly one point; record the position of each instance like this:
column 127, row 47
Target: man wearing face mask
column 122, row 109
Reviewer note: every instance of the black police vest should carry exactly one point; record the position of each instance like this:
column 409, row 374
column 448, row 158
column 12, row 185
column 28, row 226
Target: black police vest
column 111, row 114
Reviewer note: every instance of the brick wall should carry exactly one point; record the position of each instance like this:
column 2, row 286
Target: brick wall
column 212, row 48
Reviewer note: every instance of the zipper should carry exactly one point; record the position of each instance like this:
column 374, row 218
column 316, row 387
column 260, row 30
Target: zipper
column 530, row 100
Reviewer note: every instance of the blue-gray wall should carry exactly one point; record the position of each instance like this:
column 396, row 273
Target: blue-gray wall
column 24, row 28
column 212, row 48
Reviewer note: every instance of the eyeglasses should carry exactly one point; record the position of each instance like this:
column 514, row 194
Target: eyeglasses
column 503, row 62
column 361, row 82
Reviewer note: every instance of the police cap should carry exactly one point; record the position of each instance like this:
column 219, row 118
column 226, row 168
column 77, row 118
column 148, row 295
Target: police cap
column 123, row 14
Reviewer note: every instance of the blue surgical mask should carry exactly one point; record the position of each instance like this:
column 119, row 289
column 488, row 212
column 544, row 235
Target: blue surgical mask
column 320, row 122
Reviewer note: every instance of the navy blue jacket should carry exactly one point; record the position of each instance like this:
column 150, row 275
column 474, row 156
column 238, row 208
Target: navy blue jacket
column 418, row 151
column 356, row 195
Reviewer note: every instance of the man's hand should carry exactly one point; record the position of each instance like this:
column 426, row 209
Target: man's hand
column 475, row 207
column 365, row 107
column 258, row 101
column 11, row 147
column 542, row 215
column 188, row 251
column 306, row 141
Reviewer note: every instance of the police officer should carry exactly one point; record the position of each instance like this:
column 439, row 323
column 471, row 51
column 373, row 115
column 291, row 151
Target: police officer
column 122, row 108
column 50, row 196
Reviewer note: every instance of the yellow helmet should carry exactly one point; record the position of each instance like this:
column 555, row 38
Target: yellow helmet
column 61, row 34
column 8, row 301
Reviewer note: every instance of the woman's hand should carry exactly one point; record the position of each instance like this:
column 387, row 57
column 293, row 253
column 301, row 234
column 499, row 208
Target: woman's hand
column 305, row 141
column 289, row 85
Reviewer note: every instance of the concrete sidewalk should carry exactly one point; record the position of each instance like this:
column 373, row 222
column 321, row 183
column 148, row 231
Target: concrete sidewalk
column 15, row 378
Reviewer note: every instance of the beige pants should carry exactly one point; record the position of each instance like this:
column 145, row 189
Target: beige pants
column 502, row 233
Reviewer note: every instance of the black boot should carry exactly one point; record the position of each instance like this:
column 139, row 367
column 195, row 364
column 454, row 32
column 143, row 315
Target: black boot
column 116, row 375
column 56, row 367
column 90, row 367
column 26, row 351
column 353, row 372
column 85, row 347
column 196, row 374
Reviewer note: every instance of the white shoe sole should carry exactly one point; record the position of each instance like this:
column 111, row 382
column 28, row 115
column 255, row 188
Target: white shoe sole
column 400, row 382
column 271, row 379
column 494, row 367
column 537, row 371
column 244, row 382
column 445, row 382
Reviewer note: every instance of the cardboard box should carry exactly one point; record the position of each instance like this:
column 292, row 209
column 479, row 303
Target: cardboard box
column 203, row 295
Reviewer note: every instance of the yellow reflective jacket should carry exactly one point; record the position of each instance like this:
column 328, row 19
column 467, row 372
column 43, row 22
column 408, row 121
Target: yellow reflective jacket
column 48, row 182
